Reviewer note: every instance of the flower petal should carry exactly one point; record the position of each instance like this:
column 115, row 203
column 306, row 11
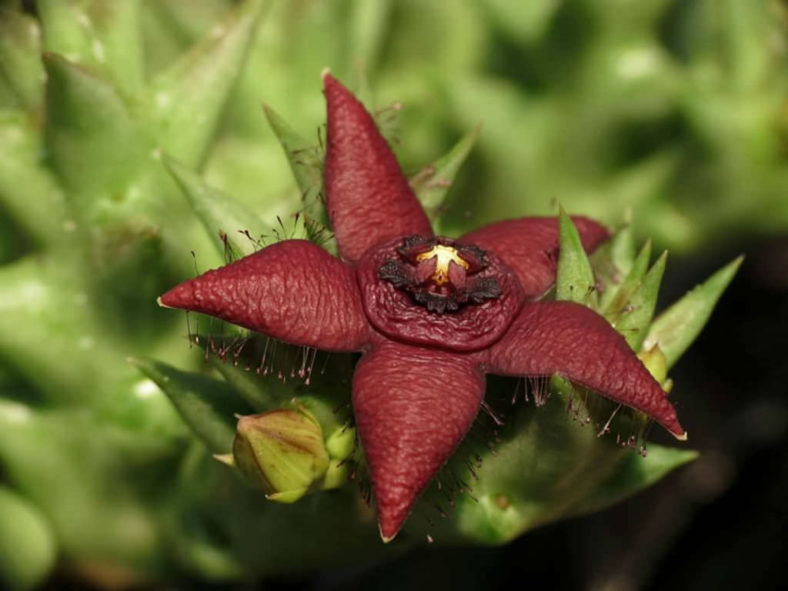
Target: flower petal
column 292, row 290
column 367, row 196
column 530, row 247
column 572, row 340
column 412, row 406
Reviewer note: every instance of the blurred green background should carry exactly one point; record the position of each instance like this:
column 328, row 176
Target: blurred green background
column 671, row 113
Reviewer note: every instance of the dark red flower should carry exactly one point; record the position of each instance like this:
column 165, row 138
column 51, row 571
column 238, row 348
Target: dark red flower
column 431, row 315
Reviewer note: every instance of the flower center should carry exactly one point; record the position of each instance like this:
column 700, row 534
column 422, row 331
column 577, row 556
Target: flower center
column 444, row 256
column 431, row 291
column 439, row 274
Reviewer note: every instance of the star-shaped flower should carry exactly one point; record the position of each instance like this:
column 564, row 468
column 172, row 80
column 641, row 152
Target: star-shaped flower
column 431, row 315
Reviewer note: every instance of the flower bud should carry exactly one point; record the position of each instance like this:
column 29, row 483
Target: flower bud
column 282, row 452
column 341, row 443
column 340, row 446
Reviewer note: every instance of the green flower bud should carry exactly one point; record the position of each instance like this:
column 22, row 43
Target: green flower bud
column 340, row 446
column 282, row 452
column 341, row 443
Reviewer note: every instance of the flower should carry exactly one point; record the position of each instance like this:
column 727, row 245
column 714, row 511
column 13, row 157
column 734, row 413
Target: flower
column 431, row 315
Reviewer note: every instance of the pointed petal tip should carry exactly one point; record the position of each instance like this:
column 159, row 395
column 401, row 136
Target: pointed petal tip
column 181, row 296
column 668, row 421
column 167, row 300
column 672, row 426
column 326, row 77
column 387, row 534
column 408, row 429
column 364, row 185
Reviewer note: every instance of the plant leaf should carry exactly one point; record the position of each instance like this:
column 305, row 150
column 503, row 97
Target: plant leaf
column 305, row 159
column 676, row 328
column 615, row 298
column 574, row 276
column 207, row 557
column 116, row 40
column 259, row 392
column 20, row 51
column 104, row 36
column 633, row 474
column 63, row 31
column 635, row 317
column 207, row 405
column 220, row 214
column 270, row 374
column 543, row 464
column 188, row 98
column 432, row 183
column 40, row 303
column 368, row 31
column 28, row 549
column 622, row 249
column 612, row 261
column 82, row 472
column 95, row 145
column 45, row 217
column 320, row 234
column 306, row 163
column 524, row 21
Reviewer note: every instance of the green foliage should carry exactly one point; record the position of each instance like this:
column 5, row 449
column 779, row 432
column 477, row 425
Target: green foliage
column 617, row 293
column 233, row 225
column 432, row 183
column 93, row 142
column 132, row 134
column 634, row 473
column 207, row 405
column 20, row 47
column 27, row 544
column 676, row 328
column 636, row 315
column 574, row 280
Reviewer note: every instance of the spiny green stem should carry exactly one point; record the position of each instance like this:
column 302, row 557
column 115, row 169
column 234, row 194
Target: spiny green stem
column 188, row 99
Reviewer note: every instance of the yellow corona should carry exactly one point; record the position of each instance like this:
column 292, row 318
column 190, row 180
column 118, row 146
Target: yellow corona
column 444, row 255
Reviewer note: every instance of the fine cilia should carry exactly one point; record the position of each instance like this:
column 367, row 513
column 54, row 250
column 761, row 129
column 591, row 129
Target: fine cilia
column 431, row 315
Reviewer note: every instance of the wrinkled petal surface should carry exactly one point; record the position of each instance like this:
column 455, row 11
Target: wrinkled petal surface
column 530, row 247
column 412, row 406
column 572, row 340
column 367, row 196
column 292, row 290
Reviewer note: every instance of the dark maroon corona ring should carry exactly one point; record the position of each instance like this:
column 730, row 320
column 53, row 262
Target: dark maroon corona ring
column 431, row 315
column 437, row 301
